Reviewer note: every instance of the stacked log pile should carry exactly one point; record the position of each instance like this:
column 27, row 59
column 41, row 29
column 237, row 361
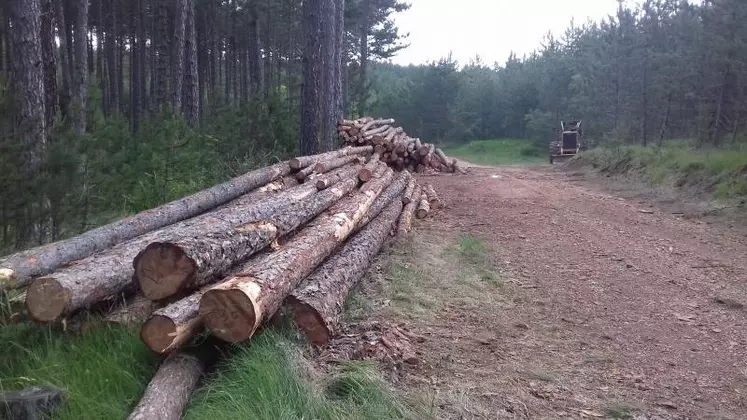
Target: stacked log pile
column 296, row 236
column 392, row 145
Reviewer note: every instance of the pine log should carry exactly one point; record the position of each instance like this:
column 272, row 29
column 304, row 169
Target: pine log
column 18, row 270
column 132, row 312
column 376, row 122
column 418, row 143
column 366, row 172
column 305, row 172
column 171, row 327
column 440, row 153
column 107, row 274
column 168, row 392
column 407, row 196
column 234, row 309
column 393, row 191
column 317, row 303
column 329, row 165
column 424, row 150
column 304, row 161
column 380, row 131
column 433, row 199
column 390, row 135
column 405, row 220
column 166, row 267
column 325, row 181
column 423, row 206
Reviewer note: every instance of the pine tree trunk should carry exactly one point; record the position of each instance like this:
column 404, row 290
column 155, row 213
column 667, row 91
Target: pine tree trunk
column 186, row 260
column 234, row 309
column 135, row 72
column 178, row 47
column 312, row 60
column 340, row 59
column 65, row 58
column 111, row 59
column 191, row 77
column 329, row 104
column 317, row 303
column 161, row 59
column 168, row 392
column 18, row 269
column 50, row 61
column 255, row 54
column 363, row 66
column 81, row 66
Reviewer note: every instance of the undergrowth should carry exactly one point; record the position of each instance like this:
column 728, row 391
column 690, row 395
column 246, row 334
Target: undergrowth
column 721, row 173
column 498, row 152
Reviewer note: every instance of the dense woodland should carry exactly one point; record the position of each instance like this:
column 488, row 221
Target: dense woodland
column 108, row 107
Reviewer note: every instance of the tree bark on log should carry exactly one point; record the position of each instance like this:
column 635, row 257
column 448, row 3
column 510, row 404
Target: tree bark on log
column 132, row 312
column 235, row 308
column 371, row 123
column 165, row 268
column 391, row 193
column 405, row 220
column 407, row 196
column 106, row 274
column 423, row 206
column 366, row 172
column 168, row 392
column 169, row 328
column 304, row 161
column 317, row 303
column 329, row 165
column 327, row 180
column 433, row 199
column 18, row 270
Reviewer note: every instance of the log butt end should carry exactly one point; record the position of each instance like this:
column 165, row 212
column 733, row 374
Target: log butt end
column 46, row 299
column 295, row 164
column 162, row 269
column 365, row 175
column 310, row 323
column 160, row 334
column 421, row 213
column 230, row 314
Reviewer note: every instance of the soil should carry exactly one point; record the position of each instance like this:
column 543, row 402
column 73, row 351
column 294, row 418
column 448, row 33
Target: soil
column 610, row 307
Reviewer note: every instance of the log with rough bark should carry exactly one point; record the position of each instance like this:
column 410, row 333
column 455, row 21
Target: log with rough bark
column 366, row 172
column 317, row 303
column 19, row 269
column 132, row 312
column 329, row 165
column 391, row 193
column 167, row 267
column 433, row 199
column 234, row 309
column 168, row 392
column 304, row 161
column 325, row 181
column 372, row 123
column 172, row 326
column 405, row 220
column 106, row 274
column 424, row 206
column 407, row 196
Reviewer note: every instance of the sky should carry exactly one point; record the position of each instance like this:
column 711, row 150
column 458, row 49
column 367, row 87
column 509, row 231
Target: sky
column 490, row 28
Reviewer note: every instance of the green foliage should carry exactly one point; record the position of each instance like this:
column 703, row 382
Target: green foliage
column 266, row 380
column 498, row 152
column 103, row 371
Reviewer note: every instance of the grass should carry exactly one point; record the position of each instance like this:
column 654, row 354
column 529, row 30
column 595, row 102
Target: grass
column 620, row 411
column 722, row 173
column 498, row 152
column 269, row 380
column 473, row 251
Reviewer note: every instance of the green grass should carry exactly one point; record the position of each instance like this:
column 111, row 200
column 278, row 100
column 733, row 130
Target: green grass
column 498, row 152
column 268, row 380
column 473, row 251
column 719, row 172
column 103, row 372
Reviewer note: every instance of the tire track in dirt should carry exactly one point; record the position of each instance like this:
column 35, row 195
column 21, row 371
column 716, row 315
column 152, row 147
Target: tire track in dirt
column 625, row 306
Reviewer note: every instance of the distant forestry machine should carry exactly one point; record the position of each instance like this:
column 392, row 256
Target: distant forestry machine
column 569, row 143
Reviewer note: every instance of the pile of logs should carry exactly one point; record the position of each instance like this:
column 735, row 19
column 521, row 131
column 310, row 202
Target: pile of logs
column 295, row 236
column 392, row 145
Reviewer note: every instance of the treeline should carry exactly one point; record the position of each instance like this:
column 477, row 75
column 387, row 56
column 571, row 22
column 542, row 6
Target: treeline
column 108, row 107
column 666, row 69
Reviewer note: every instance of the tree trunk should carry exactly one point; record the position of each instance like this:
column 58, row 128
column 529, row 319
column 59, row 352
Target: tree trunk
column 255, row 53
column 191, row 76
column 391, row 193
column 178, row 47
column 168, row 392
column 433, row 199
column 18, row 269
column 171, row 327
column 340, row 58
column 135, row 72
column 81, row 66
column 66, row 65
column 50, row 62
column 304, row 161
column 161, row 40
column 407, row 196
column 235, row 308
column 105, row 275
column 186, row 260
column 111, row 59
column 328, row 165
column 329, row 66
column 312, row 59
column 317, row 303
column 405, row 220
column 363, row 66
column 424, row 206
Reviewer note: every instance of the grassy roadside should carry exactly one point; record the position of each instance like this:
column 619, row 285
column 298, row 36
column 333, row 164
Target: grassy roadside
column 719, row 173
column 498, row 152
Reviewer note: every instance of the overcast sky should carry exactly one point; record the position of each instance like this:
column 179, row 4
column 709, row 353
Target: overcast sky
column 490, row 28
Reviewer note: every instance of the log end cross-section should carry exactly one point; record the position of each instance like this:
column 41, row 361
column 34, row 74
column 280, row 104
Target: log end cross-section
column 161, row 269
column 47, row 299
column 227, row 310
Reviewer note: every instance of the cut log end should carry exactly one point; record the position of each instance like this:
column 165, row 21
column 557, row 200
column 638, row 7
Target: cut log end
column 295, row 164
column 230, row 315
column 7, row 277
column 310, row 323
column 365, row 174
column 421, row 213
column 46, row 299
column 162, row 269
column 160, row 334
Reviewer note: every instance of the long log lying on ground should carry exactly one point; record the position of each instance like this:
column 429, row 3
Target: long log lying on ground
column 424, row 206
column 328, row 165
column 132, row 312
column 19, row 269
column 304, row 161
column 169, row 328
column 317, row 303
column 167, row 394
column 164, row 268
column 235, row 308
column 433, row 199
column 407, row 196
column 392, row 192
column 108, row 273
column 405, row 220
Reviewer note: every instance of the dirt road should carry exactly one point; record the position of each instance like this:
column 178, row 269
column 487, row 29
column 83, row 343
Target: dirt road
column 611, row 308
